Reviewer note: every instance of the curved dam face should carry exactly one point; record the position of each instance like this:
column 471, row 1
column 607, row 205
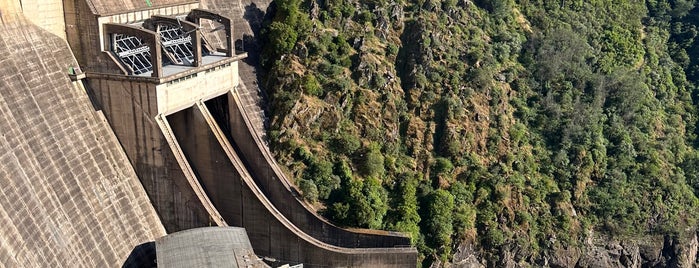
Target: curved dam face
column 68, row 195
column 242, row 203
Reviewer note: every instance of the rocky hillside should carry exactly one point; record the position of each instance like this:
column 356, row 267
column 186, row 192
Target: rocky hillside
column 495, row 132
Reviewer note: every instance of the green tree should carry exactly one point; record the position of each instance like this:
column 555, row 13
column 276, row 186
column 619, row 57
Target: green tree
column 407, row 210
column 376, row 197
column 345, row 143
column 309, row 189
column 282, row 37
column 438, row 221
column 372, row 161
column 320, row 172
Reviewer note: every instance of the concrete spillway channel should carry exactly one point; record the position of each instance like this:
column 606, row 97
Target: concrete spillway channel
column 188, row 172
column 273, row 182
column 232, row 190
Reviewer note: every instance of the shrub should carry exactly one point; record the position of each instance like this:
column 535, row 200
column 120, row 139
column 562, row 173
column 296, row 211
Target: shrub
column 373, row 162
column 283, row 37
column 438, row 223
column 345, row 143
column 319, row 171
column 339, row 212
column 309, row 189
column 442, row 166
column 373, row 204
column 365, row 17
column 391, row 50
column 311, row 86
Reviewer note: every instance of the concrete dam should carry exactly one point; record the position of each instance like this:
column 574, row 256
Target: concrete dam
column 127, row 120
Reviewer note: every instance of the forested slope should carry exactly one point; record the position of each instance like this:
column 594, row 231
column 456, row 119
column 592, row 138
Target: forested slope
column 507, row 132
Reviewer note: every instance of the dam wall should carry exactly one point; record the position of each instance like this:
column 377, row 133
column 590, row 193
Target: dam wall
column 137, row 107
column 47, row 14
column 243, row 204
column 189, row 167
column 68, row 195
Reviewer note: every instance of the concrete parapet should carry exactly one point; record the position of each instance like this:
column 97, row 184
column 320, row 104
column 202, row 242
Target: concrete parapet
column 111, row 7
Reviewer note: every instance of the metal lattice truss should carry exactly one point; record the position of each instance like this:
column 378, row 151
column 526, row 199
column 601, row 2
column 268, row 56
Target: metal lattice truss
column 133, row 53
column 176, row 43
column 175, row 39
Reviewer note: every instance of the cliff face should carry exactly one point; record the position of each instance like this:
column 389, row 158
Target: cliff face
column 649, row 251
column 69, row 197
column 508, row 132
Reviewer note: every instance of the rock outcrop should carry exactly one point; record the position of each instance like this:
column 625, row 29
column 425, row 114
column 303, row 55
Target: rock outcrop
column 649, row 251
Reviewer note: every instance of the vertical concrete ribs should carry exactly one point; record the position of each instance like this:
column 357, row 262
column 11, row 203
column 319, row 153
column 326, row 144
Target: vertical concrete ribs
column 68, row 195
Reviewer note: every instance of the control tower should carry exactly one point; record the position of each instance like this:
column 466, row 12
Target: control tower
column 141, row 62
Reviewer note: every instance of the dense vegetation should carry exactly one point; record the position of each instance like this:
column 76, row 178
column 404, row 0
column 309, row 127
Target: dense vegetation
column 497, row 123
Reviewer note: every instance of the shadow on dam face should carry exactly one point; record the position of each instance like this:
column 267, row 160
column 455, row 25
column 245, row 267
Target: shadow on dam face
column 219, row 109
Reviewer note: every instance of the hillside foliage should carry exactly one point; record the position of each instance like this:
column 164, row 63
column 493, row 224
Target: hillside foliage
column 495, row 123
